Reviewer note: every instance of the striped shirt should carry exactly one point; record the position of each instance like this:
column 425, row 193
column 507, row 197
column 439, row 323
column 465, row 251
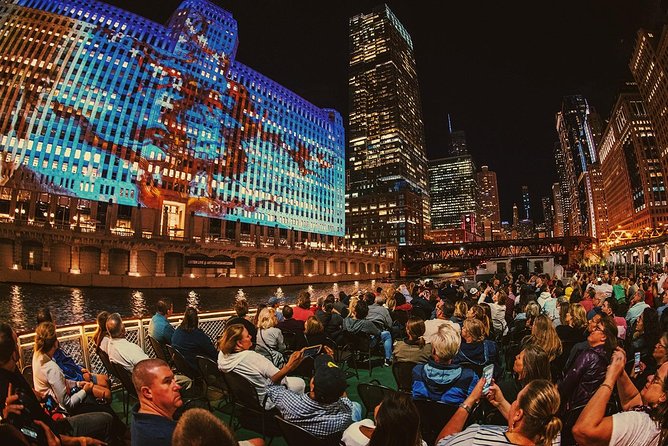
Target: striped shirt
column 477, row 435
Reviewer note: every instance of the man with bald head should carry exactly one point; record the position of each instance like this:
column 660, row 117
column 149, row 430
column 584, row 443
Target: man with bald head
column 120, row 350
column 159, row 397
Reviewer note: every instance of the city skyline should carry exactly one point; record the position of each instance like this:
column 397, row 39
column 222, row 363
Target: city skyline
column 485, row 67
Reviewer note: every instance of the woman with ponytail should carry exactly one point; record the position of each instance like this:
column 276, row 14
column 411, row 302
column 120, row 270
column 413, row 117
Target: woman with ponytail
column 532, row 418
column 644, row 421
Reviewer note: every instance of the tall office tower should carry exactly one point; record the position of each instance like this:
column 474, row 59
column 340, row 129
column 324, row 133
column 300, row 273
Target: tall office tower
column 562, row 198
column 101, row 106
column 649, row 67
column 453, row 191
column 387, row 195
column 516, row 215
column 635, row 187
column 488, row 199
column 526, row 203
column 458, row 143
column 576, row 125
column 600, row 208
column 558, row 219
column 548, row 215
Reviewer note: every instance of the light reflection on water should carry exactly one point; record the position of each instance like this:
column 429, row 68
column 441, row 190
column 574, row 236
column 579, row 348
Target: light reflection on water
column 19, row 303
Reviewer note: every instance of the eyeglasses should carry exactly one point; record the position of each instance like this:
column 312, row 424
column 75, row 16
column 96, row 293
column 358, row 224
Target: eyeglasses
column 659, row 344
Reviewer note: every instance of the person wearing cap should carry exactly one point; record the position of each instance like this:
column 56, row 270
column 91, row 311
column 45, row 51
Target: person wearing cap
column 275, row 302
column 474, row 294
column 323, row 411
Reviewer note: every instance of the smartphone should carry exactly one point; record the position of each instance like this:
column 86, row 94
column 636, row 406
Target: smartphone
column 309, row 352
column 487, row 373
column 50, row 403
column 636, row 363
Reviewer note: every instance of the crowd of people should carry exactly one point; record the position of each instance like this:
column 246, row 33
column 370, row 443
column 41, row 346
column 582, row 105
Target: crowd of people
column 519, row 360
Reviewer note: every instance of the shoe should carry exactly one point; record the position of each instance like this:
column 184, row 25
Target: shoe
column 387, row 363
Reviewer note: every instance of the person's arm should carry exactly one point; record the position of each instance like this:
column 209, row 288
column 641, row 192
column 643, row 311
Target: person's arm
column 456, row 423
column 168, row 331
column 56, row 380
column 280, row 341
column 593, row 427
column 629, row 396
column 293, row 363
column 208, row 347
column 496, row 399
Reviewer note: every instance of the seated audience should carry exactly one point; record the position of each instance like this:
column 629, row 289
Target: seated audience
column 357, row 323
column 302, row 310
column 439, row 379
column 289, row 323
column 159, row 397
column 270, row 342
column 584, row 345
column 236, row 356
column 476, row 350
column 636, row 307
column 275, row 302
column 610, row 308
column 191, row 341
column 101, row 337
column 331, row 320
column 199, row 427
column 478, row 312
column 588, row 370
column 646, row 334
column 120, row 350
column 530, row 364
column 431, row 326
column 325, row 410
column 397, row 423
column 241, row 309
column 413, row 348
column 159, row 327
column 459, row 313
column 378, row 314
column 314, row 332
column 643, row 421
column 649, row 367
column 19, row 404
column 532, row 419
column 544, row 334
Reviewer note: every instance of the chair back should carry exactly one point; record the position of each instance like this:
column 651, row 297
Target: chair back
column 125, row 377
column 372, row 394
column 433, row 416
column 357, row 341
column 403, row 375
column 104, row 357
column 244, row 392
column 211, row 375
column 27, row 374
column 159, row 349
column 181, row 364
column 293, row 340
column 297, row 436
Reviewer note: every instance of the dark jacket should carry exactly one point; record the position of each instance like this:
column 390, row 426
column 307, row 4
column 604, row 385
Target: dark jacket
column 448, row 383
column 292, row 325
column 474, row 353
column 583, row 378
column 333, row 323
column 193, row 343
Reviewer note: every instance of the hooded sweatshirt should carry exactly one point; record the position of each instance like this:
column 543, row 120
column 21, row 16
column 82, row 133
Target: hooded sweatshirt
column 448, row 383
column 548, row 305
column 254, row 367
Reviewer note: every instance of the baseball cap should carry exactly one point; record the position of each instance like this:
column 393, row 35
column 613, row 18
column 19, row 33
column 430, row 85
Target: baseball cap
column 599, row 280
column 273, row 300
column 329, row 381
column 473, row 291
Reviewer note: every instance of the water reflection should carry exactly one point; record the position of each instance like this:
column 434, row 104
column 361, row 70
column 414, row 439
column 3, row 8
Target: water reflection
column 138, row 304
column 18, row 311
column 193, row 299
column 240, row 295
column 78, row 304
column 279, row 293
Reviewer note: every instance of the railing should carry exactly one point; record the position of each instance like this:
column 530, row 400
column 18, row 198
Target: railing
column 77, row 340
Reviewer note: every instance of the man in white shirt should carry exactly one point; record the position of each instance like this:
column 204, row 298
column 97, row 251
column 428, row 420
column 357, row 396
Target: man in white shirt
column 121, row 351
column 662, row 277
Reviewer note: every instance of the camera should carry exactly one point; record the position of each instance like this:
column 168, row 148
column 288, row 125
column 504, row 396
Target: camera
column 32, row 432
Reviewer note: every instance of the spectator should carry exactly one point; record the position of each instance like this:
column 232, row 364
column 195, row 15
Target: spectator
column 643, row 422
column 478, row 312
column 587, row 301
column 49, row 378
column 159, row 327
column 571, row 332
column 397, row 424
column 314, row 332
column 325, row 410
column 191, row 341
column 584, row 345
column 378, row 314
column 498, row 309
column 289, row 323
column 548, row 305
column 530, row 364
column 432, row 325
column 597, row 302
column 302, row 311
column 610, row 308
column 241, row 309
column 159, row 398
column 459, row 313
column 647, row 332
column 637, row 306
column 359, row 324
column 236, row 356
column 341, row 304
column 532, row 418
column 19, row 404
column 101, row 336
column 422, row 307
column 439, row 379
column 275, row 302
column 270, row 342
column 121, row 351
column 414, row 348
column 588, row 370
column 476, row 350
column 545, row 335
column 331, row 320
column 651, row 365
column 199, row 427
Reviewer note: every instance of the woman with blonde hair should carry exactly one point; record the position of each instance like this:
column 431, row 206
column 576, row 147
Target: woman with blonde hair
column 478, row 312
column 475, row 349
column 270, row 342
column 532, row 418
column 544, row 334
column 413, row 348
column 461, row 308
column 314, row 331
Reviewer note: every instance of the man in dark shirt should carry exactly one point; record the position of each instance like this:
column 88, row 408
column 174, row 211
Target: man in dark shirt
column 19, row 404
column 290, row 324
column 159, row 397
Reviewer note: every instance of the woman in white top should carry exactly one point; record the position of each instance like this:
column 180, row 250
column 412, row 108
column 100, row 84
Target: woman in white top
column 49, row 379
column 645, row 420
column 498, row 307
column 397, row 424
column 270, row 342
column 235, row 356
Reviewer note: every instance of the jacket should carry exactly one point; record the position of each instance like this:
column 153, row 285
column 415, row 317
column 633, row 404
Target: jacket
column 479, row 353
column 448, row 383
column 583, row 378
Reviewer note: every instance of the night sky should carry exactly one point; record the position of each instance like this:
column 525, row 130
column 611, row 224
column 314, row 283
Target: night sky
column 499, row 69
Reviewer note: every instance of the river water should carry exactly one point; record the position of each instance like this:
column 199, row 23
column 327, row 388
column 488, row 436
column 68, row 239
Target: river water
column 19, row 303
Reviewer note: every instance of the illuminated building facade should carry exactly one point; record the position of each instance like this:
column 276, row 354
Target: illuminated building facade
column 387, row 197
column 109, row 108
column 453, row 191
column 548, row 215
column 635, row 188
column 526, row 203
column 488, row 199
column 558, row 215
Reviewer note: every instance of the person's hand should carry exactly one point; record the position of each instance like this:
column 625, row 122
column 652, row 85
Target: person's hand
column 641, row 366
column 617, row 363
column 495, row 396
column 11, row 404
column 51, row 438
column 328, row 350
column 88, row 441
column 87, row 386
column 295, row 359
column 476, row 393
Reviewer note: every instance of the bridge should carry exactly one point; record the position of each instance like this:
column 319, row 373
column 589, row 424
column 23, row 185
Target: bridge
column 416, row 258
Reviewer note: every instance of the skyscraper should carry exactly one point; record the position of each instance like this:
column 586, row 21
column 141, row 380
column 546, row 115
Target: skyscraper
column 558, row 218
column 526, row 203
column 548, row 215
column 561, row 193
column 488, row 199
column 387, row 194
column 453, row 191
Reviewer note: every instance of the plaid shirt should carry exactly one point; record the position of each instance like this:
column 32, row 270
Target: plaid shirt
column 319, row 419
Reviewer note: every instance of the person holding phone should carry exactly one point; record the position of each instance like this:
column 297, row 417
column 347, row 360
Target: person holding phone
column 325, row 410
